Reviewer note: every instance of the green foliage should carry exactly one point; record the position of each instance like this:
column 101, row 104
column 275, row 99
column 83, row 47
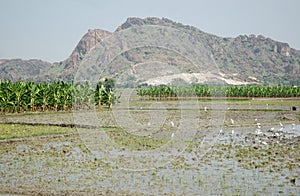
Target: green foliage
column 109, row 84
column 9, row 131
column 298, row 115
column 22, row 96
column 217, row 91
column 104, row 93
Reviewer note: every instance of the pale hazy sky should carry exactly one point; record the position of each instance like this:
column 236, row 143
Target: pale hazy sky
column 50, row 29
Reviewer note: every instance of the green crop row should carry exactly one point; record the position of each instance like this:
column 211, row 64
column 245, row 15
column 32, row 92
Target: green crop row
column 29, row 96
column 164, row 91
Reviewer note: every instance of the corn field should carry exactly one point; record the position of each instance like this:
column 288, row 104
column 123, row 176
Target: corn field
column 170, row 92
column 57, row 96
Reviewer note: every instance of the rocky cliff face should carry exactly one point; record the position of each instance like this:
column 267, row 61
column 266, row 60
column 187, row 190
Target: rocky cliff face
column 130, row 22
column 85, row 45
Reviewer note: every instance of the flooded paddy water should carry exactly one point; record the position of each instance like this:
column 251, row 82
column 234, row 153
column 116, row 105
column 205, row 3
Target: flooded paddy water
column 255, row 151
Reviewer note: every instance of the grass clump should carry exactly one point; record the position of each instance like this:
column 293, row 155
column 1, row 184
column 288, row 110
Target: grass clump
column 9, row 131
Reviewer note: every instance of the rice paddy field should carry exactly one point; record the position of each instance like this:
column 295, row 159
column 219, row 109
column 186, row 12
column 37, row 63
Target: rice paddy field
column 154, row 147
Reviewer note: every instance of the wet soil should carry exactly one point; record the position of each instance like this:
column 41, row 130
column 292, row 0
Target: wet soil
column 232, row 151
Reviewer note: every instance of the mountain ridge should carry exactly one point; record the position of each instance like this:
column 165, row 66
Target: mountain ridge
column 242, row 58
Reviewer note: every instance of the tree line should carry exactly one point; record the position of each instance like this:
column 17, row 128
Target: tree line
column 29, row 96
column 171, row 92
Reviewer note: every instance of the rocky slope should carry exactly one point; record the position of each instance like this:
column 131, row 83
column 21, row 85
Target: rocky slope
column 85, row 45
column 246, row 58
column 65, row 70
column 18, row 69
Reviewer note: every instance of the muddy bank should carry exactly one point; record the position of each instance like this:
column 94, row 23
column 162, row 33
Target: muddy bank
column 238, row 163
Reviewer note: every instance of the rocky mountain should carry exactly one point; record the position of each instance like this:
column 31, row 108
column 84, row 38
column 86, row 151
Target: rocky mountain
column 246, row 59
column 85, row 45
column 65, row 70
column 18, row 69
